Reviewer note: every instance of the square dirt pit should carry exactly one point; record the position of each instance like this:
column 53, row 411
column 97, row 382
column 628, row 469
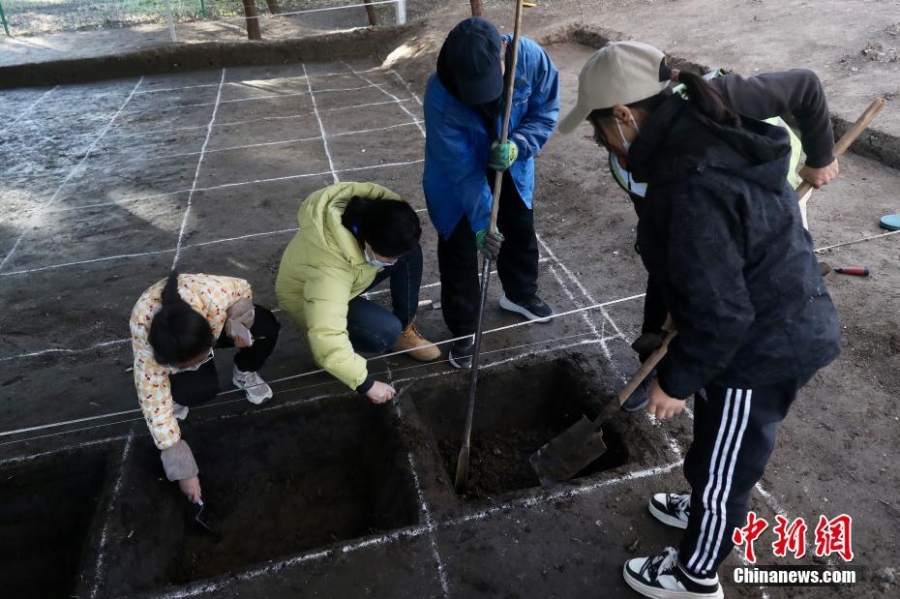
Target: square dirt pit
column 46, row 509
column 517, row 410
column 275, row 484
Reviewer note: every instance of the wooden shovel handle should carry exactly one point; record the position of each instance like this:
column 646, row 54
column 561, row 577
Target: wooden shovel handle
column 849, row 137
column 507, row 111
column 648, row 365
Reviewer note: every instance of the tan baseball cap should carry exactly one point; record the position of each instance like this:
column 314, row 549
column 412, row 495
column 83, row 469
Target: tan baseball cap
column 617, row 73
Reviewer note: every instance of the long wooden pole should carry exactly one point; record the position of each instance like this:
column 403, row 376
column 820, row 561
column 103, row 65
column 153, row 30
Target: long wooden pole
column 864, row 120
column 462, row 463
column 477, row 9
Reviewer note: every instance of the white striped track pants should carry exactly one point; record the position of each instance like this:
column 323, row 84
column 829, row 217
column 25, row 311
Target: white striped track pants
column 734, row 434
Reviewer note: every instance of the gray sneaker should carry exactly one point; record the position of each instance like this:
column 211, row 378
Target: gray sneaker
column 254, row 386
column 180, row 412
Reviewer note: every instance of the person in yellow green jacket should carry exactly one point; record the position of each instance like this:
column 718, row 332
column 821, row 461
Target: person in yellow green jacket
column 352, row 237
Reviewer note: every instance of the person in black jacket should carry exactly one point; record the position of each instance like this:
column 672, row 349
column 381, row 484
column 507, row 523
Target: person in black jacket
column 720, row 231
column 798, row 92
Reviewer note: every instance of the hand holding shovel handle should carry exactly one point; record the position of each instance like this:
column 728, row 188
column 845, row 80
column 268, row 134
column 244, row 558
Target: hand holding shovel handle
column 646, row 368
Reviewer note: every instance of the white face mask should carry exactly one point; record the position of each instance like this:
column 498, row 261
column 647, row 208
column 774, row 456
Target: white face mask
column 374, row 261
column 627, row 144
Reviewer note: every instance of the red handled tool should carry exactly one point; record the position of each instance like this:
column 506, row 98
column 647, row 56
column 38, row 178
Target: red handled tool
column 856, row 271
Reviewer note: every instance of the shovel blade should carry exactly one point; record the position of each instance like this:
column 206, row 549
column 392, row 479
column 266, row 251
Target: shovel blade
column 568, row 453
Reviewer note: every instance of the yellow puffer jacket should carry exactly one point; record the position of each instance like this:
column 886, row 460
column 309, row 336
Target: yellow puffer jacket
column 322, row 269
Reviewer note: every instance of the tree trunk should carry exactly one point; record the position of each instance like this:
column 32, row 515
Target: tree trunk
column 252, row 19
column 273, row 6
column 370, row 11
column 476, row 7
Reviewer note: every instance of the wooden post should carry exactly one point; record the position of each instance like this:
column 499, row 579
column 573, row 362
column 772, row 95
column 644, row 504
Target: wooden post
column 273, row 6
column 252, row 19
column 476, row 8
column 370, row 12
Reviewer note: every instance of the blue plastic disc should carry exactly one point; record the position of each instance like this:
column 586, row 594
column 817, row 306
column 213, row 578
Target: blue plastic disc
column 891, row 222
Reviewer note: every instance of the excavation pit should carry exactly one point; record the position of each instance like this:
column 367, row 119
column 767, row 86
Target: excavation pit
column 275, row 484
column 517, row 410
column 48, row 506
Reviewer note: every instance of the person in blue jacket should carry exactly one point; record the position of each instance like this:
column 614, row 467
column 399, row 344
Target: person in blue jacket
column 464, row 103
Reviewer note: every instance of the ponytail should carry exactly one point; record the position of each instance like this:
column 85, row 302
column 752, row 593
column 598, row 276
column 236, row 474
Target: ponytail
column 178, row 334
column 707, row 99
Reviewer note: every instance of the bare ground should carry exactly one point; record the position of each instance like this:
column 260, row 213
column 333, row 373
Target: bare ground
column 95, row 231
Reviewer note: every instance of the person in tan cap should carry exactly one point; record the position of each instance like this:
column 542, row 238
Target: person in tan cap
column 720, row 232
column 763, row 97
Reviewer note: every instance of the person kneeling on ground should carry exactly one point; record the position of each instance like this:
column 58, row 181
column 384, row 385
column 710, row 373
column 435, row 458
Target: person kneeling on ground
column 352, row 237
column 721, row 232
column 175, row 325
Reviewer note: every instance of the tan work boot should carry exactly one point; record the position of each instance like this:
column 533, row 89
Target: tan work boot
column 410, row 338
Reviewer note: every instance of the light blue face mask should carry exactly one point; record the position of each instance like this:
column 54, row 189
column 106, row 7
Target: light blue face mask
column 375, row 262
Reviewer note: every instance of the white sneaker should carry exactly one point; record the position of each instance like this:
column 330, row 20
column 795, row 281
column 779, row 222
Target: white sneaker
column 180, row 411
column 671, row 509
column 661, row 577
column 253, row 385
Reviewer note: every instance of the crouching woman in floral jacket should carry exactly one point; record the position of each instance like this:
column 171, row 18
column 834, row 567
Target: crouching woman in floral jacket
column 175, row 325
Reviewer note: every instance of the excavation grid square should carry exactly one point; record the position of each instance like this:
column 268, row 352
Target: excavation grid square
column 102, row 231
column 383, row 112
column 276, row 484
column 280, row 106
column 238, row 211
column 256, row 89
column 107, row 178
column 518, row 409
column 389, row 146
column 161, row 115
column 48, row 505
column 176, row 99
column 267, row 162
column 74, row 306
column 158, row 84
column 259, row 131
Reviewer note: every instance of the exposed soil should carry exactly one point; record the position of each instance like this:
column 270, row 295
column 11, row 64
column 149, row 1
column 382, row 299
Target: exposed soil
column 279, row 483
column 261, row 471
column 48, row 508
column 517, row 411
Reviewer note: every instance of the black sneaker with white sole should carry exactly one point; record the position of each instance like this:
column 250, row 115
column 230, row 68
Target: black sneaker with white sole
column 460, row 354
column 662, row 577
column 671, row 509
column 535, row 309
